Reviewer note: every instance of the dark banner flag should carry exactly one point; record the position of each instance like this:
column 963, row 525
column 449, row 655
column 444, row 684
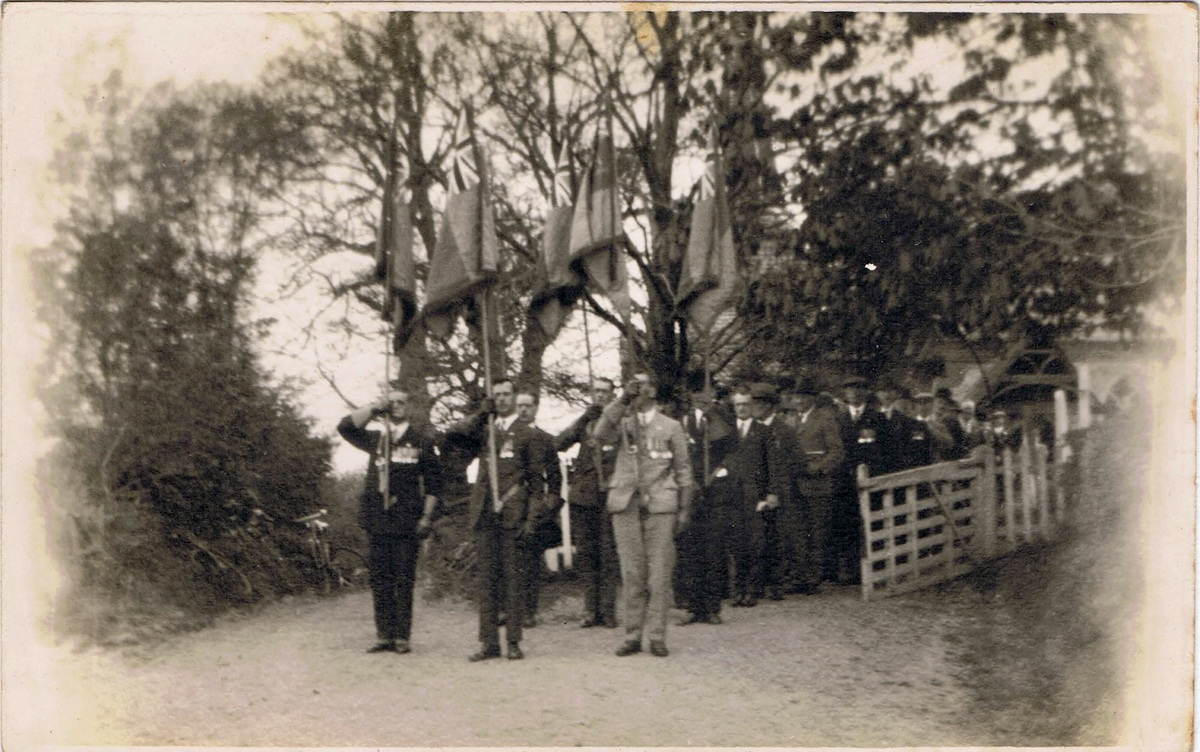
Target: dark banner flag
column 466, row 258
column 400, row 271
column 559, row 286
column 709, row 273
column 597, row 238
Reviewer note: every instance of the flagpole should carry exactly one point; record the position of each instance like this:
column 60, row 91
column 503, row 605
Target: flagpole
column 704, row 417
column 493, row 471
column 485, row 313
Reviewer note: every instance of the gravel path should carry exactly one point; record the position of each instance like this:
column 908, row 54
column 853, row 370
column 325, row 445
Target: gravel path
column 828, row 670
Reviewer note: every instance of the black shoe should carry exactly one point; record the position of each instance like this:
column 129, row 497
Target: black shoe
column 383, row 647
column 530, row 621
column 514, row 652
column 402, row 647
column 589, row 623
column 658, row 649
column 610, row 622
column 750, row 602
column 713, row 619
column 629, row 648
column 776, row 594
column 692, row 619
column 492, row 651
column 739, row 601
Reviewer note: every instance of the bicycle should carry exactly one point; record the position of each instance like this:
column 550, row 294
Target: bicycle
column 335, row 566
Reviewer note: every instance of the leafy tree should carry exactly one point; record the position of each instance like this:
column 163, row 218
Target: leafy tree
column 166, row 419
column 985, row 206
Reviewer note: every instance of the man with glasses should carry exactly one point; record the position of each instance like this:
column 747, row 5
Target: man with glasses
column 404, row 480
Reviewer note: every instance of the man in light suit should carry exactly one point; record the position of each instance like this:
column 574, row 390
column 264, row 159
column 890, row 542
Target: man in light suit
column 650, row 498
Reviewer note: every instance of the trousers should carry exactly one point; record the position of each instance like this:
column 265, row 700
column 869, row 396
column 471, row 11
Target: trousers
column 392, row 563
column 501, row 580
column 646, row 549
column 596, row 560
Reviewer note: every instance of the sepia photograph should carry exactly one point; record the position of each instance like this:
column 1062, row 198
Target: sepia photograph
column 413, row 375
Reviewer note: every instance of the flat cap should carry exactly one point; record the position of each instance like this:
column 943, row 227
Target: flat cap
column 764, row 392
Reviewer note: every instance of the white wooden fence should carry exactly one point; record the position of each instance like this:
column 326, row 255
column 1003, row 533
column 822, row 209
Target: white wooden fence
column 930, row 524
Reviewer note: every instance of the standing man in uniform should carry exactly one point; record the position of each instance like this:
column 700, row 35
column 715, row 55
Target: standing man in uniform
column 397, row 505
column 546, row 505
column 501, row 524
column 650, row 497
column 590, row 523
column 820, row 450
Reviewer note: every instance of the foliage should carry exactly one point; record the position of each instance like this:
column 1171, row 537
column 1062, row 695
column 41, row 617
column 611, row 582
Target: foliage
column 178, row 448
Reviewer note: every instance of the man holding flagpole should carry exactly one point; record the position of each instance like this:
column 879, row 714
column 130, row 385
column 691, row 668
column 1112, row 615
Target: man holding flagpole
column 501, row 523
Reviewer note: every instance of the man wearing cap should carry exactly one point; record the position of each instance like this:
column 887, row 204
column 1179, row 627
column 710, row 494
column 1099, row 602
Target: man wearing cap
column 591, row 527
column 862, row 429
column 778, row 514
column 746, row 467
column 650, row 498
column 818, row 445
column 946, row 411
column 501, row 523
column 902, row 438
column 404, row 480
column 703, row 566
column 938, row 442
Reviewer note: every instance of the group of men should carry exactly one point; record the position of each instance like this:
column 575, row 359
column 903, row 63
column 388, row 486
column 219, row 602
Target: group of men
column 752, row 491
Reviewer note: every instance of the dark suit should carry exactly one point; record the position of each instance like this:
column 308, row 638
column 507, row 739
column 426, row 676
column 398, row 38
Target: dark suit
column 904, row 443
column 414, row 472
column 703, row 567
column 820, row 453
column 780, row 525
column 591, row 529
column 861, row 437
column 546, row 507
column 745, row 483
column 520, row 471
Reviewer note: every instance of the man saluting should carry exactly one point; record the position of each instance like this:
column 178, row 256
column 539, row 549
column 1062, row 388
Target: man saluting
column 398, row 501
column 649, row 496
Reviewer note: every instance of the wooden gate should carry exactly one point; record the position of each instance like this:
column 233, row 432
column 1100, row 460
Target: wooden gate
column 930, row 524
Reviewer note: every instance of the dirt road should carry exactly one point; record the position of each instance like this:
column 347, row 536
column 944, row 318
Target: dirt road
column 828, row 670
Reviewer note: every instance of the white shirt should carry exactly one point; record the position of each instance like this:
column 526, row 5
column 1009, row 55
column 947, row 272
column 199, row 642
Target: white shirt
column 744, row 426
column 504, row 423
